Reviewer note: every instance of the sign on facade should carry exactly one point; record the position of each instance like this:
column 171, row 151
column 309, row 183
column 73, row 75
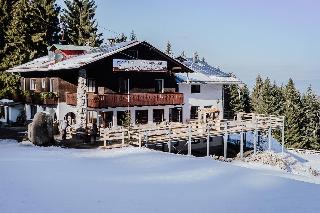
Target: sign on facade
column 139, row 65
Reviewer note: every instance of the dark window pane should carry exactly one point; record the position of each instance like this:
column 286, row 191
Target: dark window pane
column 195, row 88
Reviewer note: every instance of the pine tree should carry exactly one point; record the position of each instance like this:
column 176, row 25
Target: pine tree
column 121, row 38
column 311, row 110
column 168, row 50
column 45, row 25
column 133, row 36
column 34, row 26
column 265, row 98
column 256, row 98
column 277, row 100
column 238, row 100
column 18, row 40
column 9, row 85
column 79, row 23
column 293, row 115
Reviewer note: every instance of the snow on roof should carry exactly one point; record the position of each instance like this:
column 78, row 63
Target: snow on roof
column 92, row 55
column 203, row 72
column 71, row 47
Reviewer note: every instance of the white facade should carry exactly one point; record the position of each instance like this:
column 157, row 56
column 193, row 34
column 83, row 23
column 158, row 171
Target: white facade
column 59, row 110
column 11, row 112
column 166, row 109
column 211, row 95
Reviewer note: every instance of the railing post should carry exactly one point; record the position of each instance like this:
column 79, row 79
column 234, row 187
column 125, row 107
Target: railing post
column 208, row 140
column 255, row 139
column 241, row 144
column 169, row 142
column 282, row 149
column 122, row 145
column 269, row 136
column 189, row 140
column 225, row 142
column 139, row 136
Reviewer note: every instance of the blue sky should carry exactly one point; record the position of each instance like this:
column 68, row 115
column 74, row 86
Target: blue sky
column 275, row 38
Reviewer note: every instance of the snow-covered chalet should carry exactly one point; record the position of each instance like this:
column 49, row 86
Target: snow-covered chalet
column 101, row 84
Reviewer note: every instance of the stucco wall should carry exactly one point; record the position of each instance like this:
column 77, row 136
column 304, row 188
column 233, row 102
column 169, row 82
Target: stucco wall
column 210, row 95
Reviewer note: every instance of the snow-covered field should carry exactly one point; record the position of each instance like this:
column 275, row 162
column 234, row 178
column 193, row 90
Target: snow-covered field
column 34, row 179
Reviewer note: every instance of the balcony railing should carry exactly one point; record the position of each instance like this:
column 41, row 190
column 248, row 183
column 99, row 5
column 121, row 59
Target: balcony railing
column 124, row 100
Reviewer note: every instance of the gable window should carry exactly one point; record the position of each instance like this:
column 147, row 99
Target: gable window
column 43, row 83
column 33, row 84
column 91, row 83
column 159, row 85
column 51, row 85
column 124, row 85
column 195, row 88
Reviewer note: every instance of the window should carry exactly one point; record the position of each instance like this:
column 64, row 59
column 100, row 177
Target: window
column 124, row 85
column 141, row 116
column 51, row 85
column 91, row 84
column 158, row 115
column 195, row 88
column 43, row 83
column 107, row 119
column 33, row 111
column 2, row 112
column 194, row 112
column 91, row 117
column 122, row 116
column 33, row 85
column 175, row 114
column 159, row 85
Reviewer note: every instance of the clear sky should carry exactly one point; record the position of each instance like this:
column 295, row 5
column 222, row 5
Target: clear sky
column 275, row 38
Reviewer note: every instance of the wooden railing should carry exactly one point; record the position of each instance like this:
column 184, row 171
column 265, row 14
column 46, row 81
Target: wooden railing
column 124, row 100
column 134, row 99
column 71, row 99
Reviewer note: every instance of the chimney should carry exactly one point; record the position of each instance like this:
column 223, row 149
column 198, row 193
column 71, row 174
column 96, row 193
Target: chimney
column 195, row 57
column 111, row 41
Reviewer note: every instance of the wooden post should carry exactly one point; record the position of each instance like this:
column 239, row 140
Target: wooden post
column 208, row 140
column 139, row 139
column 241, row 144
column 169, row 142
column 122, row 139
column 189, row 141
column 282, row 150
column 225, row 145
column 255, row 140
column 269, row 138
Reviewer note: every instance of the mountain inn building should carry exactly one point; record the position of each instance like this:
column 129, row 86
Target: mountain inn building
column 102, row 84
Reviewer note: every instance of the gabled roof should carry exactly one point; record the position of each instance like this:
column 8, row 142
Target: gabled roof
column 204, row 73
column 93, row 55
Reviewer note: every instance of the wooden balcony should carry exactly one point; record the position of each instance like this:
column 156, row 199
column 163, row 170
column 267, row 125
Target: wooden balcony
column 135, row 99
column 71, row 99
